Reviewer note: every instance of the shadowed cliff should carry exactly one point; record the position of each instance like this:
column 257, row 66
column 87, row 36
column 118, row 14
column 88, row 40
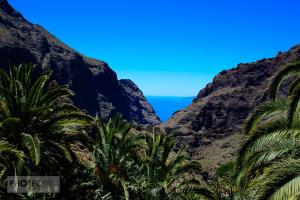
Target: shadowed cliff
column 94, row 82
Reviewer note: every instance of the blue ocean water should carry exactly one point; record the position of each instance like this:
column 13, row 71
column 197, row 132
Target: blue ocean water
column 165, row 106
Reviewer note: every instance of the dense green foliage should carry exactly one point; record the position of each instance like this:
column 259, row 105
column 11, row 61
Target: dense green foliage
column 268, row 166
column 34, row 124
column 269, row 159
column 39, row 125
column 169, row 175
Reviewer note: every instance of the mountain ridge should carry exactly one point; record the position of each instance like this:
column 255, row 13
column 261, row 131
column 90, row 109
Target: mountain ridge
column 96, row 85
column 219, row 110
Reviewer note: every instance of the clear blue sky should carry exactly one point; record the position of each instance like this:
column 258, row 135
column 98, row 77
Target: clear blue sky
column 170, row 47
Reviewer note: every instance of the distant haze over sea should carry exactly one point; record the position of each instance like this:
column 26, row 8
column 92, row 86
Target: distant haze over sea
column 165, row 106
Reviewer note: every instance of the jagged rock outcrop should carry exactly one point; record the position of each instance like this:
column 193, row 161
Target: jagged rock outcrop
column 94, row 82
column 219, row 110
column 140, row 109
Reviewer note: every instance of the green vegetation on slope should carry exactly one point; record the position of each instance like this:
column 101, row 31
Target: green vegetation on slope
column 39, row 125
column 42, row 134
column 269, row 162
column 268, row 166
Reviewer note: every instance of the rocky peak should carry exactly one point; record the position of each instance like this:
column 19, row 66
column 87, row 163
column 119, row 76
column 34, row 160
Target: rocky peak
column 94, row 82
column 8, row 9
column 217, row 114
column 248, row 74
column 138, row 103
column 130, row 84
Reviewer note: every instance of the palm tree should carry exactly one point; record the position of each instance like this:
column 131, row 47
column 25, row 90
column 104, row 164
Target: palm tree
column 224, row 182
column 116, row 153
column 268, row 160
column 83, row 184
column 291, row 70
column 9, row 152
column 36, row 122
column 169, row 175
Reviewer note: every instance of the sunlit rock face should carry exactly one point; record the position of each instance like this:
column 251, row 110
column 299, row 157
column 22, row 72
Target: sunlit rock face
column 219, row 110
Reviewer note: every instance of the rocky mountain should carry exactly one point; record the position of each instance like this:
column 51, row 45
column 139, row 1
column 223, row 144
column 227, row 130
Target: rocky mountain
column 212, row 124
column 140, row 109
column 94, row 82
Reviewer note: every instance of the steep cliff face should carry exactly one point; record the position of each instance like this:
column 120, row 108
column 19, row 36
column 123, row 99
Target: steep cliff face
column 94, row 82
column 139, row 106
column 213, row 123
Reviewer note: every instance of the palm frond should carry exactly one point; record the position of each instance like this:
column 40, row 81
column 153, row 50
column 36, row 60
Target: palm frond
column 65, row 152
column 288, row 191
column 202, row 191
column 54, row 94
column 289, row 70
column 283, row 180
column 5, row 147
column 294, row 86
column 33, row 146
column 125, row 189
column 264, row 110
column 294, row 109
